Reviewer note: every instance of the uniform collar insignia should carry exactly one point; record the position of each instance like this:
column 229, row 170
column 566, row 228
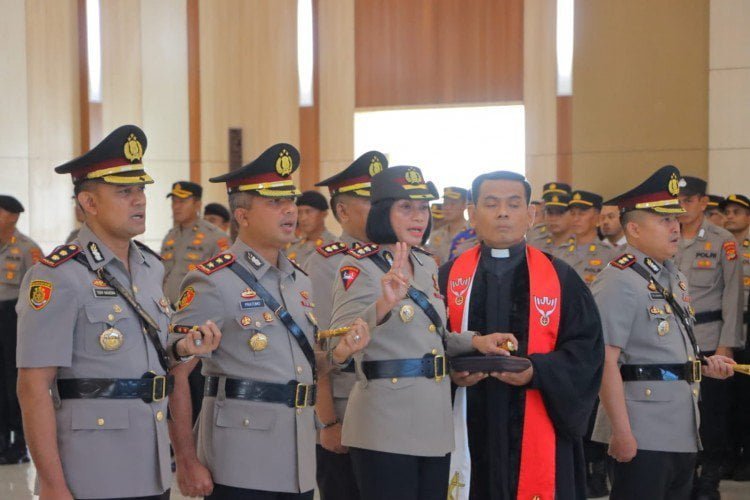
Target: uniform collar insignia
column 96, row 254
column 254, row 260
column 652, row 265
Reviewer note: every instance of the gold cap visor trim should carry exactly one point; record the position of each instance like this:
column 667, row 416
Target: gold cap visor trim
column 97, row 174
column 142, row 178
column 181, row 193
column 579, row 202
column 355, row 187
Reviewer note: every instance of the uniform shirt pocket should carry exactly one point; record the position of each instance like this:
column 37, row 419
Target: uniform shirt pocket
column 241, row 415
column 703, row 274
column 104, row 317
column 99, row 417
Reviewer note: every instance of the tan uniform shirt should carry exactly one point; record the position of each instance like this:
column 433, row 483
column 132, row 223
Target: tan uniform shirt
column 247, row 444
column 588, row 260
column 110, row 448
column 663, row 414
column 183, row 249
column 537, row 234
column 323, row 268
column 300, row 251
column 547, row 245
column 409, row 415
column 714, row 273
column 441, row 239
column 745, row 250
column 16, row 258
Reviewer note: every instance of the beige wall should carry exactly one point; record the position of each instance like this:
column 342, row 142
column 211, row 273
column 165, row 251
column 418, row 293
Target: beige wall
column 729, row 98
column 640, row 90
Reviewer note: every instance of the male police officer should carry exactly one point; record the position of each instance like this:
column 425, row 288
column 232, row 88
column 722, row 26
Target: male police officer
column 609, row 223
column 92, row 327
column 255, row 435
column 191, row 240
column 17, row 254
column 714, row 212
column 652, row 364
column 708, row 256
column 557, row 223
column 350, row 202
column 218, row 215
column 312, row 209
column 454, row 205
column 539, row 231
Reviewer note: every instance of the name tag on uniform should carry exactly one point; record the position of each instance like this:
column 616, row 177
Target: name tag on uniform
column 250, row 304
column 104, row 292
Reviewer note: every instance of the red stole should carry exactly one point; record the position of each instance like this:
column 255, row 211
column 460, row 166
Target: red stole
column 537, row 472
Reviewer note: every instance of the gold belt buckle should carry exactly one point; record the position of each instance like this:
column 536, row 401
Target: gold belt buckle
column 154, row 393
column 297, row 393
column 697, row 374
column 439, row 361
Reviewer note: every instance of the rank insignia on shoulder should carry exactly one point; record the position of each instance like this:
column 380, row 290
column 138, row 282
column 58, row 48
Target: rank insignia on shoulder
column 730, row 249
column 364, row 251
column 216, row 263
column 334, row 248
column 183, row 328
column 624, row 261
column 651, row 264
column 60, row 255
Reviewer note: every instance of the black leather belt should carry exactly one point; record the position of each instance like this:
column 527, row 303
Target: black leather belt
column 150, row 388
column 292, row 394
column 707, row 317
column 430, row 366
column 690, row 371
column 348, row 368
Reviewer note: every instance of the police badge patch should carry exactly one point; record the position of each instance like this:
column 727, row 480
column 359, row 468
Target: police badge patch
column 40, row 293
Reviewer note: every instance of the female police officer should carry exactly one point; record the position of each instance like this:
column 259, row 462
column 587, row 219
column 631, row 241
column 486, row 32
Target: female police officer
column 398, row 423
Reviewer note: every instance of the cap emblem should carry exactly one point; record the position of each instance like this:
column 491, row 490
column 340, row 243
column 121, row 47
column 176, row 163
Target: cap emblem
column 284, row 163
column 375, row 166
column 133, row 149
column 413, row 177
column 674, row 185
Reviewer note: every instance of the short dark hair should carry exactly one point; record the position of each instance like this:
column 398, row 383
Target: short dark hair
column 497, row 176
column 379, row 229
column 241, row 199
column 333, row 202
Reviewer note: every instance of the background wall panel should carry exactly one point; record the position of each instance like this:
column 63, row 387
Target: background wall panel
column 438, row 52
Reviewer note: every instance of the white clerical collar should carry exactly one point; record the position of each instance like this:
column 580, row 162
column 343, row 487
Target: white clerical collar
column 500, row 253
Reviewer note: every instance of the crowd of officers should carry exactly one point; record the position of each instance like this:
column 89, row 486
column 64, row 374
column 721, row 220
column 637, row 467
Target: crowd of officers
column 223, row 326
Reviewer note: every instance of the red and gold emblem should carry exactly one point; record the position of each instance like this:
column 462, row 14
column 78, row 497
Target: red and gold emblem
column 186, row 298
column 40, row 293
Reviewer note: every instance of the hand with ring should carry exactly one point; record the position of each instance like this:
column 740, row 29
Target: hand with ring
column 354, row 341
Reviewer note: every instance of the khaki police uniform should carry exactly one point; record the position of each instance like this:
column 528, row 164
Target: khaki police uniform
column 556, row 250
column 71, row 319
column 301, row 250
column 637, row 319
column 247, row 444
column 714, row 272
column 588, row 260
column 183, row 249
column 538, row 233
column 441, row 239
column 407, row 415
column 16, row 258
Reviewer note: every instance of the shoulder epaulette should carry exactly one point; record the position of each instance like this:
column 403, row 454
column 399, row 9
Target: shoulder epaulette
column 364, row 251
column 297, row 266
column 60, row 254
column 624, row 261
column 422, row 250
column 332, row 248
column 145, row 248
column 215, row 263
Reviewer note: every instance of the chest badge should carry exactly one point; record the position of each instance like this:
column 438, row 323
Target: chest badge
column 111, row 339
column 268, row 317
column 406, row 313
column 258, row 342
column 663, row 328
column 248, row 293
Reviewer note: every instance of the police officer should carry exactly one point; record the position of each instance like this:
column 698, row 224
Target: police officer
column 588, row 255
column 609, row 224
column 312, row 210
column 650, row 388
column 92, row 331
column 714, row 212
column 557, row 223
column 398, row 423
column 350, row 202
column 255, row 436
column 708, row 256
column 18, row 253
column 436, row 209
column 736, row 210
column 191, row 240
column 454, row 205
column 218, row 215
column 539, row 231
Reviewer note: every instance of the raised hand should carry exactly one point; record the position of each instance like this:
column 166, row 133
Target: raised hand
column 395, row 283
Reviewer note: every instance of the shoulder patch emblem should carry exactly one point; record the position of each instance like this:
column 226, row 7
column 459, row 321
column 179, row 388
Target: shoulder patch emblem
column 624, row 261
column 730, row 249
column 334, row 248
column 40, row 293
column 60, row 255
column 214, row 264
column 349, row 275
column 364, row 251
column 188, row 294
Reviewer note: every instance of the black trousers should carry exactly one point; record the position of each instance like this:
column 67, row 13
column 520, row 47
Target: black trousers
column 223, row 492
column 654, row 475
column 394, row 476
column 714, row 405
column 10, row 412
column 335, row 476
column 740, row 414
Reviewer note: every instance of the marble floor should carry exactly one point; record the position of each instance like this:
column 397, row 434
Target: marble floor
column 17, row 483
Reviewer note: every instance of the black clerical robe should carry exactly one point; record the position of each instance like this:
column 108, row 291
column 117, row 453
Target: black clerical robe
column 568, row 377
